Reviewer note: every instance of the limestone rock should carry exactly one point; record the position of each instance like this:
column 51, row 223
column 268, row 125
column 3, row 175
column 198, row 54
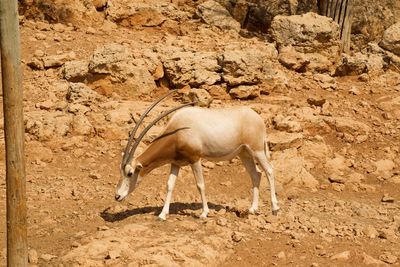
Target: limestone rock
column 244, row 92
column 283, row 140
column 345, row 255
column 347, row 125
column 247, row 65
column 308, row 41
column 290, row 170
column 115, row 61
column 358, row 64
column 391, row 39
column 132, row 13
column 288, row 124
column 54, row 61
column 213, row 13
column 79, row 93
column 200, row 96
column 75, row 71
column 191, row 68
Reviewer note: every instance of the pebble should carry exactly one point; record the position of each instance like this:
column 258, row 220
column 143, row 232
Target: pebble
column 387, row 199
column 209, row 164
column 222, row 222
column 47, row 257
column 280, row 255
column 370, row 231
column 334, row 178
column 388, row 258
column 237, row 237
column 345, row 255
column 113, row 254
column 33, row 256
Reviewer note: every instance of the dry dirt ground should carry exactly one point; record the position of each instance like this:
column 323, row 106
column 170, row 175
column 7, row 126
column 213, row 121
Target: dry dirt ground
column 73, row 219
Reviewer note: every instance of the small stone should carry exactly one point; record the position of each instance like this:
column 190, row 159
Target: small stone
column 345, row 255
column 338, row 187
column 209, row 164
column 47, row 257
column 334, row 178
column 387, row 199
column 280, row 255
column 237, row 237
column 113, row 254
column 222, row 222
column 368, row 260
column 370, row 231
column 388, row 258
column 90, row 30
column 103, row 228
column 36, row 64
column 33, row 256
column 316, row 102
column 95, row 176
column 38, row 53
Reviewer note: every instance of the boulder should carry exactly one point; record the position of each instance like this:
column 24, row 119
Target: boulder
column 130, row 75
column 358, row 64
column 347, row 125
column 283, row 140
column 290, row 170
column 55, row 61
column 133, row 13
column 76, row 71
column 44, row 125
column 244, row 92
column 308, row 42
column 79, row 93
column 246, row 65
column 287, row 123
column 200, row 96
column 213, row 13
column 191, row 68
column 391, row 39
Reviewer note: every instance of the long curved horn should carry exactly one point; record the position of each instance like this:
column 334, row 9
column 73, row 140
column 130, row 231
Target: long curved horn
column 132, row 134
column 145, row 130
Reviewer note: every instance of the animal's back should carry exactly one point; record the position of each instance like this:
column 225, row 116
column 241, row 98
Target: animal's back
column 218, row 130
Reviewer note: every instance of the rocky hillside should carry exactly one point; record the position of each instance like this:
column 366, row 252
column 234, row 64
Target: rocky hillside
column 333, row 124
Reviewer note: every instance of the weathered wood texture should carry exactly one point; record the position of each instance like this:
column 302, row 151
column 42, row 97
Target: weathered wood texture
column 14, row 134
column 341, row 12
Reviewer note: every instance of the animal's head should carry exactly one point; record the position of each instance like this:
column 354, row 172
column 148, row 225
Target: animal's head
column 130, row 168
column 130, row 179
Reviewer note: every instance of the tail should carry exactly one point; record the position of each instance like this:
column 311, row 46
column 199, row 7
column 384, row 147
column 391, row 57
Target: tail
column 266, row 149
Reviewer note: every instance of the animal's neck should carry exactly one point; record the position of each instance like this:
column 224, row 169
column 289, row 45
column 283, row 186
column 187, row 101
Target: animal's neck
column 157, row 154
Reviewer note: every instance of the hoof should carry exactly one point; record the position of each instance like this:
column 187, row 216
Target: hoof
column 203, row 215
column 161, row 218
column 253, row 211
column 275, row 212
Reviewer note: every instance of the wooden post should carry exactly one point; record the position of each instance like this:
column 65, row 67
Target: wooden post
column 340, row 11
column 14, row 134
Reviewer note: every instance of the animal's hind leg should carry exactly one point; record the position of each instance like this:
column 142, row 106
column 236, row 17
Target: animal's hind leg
column 255, row 175
column 261, row 158
column 198, row 174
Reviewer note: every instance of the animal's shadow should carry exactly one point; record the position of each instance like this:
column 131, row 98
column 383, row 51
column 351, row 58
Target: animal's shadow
column 175, row 208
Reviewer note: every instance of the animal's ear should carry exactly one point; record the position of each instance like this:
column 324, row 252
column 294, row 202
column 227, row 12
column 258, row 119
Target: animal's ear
column 139, row 166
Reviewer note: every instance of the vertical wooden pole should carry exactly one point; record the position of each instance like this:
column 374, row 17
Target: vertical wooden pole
column 340, row 11
column 14, row 135
column 346, row 32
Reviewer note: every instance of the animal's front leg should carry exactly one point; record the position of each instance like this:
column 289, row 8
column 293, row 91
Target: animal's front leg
column 198, row 174
column 170, row 186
